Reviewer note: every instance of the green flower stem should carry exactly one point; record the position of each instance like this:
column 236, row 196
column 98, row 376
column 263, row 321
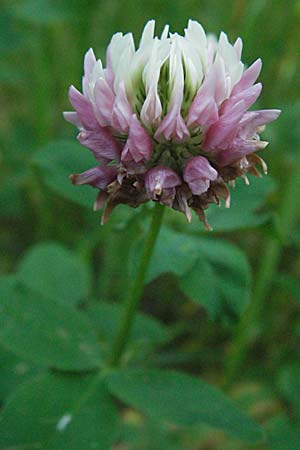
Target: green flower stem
column 288, row 215
column 134, row 295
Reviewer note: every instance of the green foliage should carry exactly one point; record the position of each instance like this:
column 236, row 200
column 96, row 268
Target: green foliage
column 200, row 285
column 146, row 330
column 289, row 386
column 181, row 399
column 252, row 198
column 59, row 411
column 51, row 270
column 42, row 12
column 56, row 161
column 10, row 39
column 283, row 434
column 57, row 265
column 150, row 434
column 13, row 371
column 288, row 284
column 231, row 271
column 210, row 272
column 45, row 331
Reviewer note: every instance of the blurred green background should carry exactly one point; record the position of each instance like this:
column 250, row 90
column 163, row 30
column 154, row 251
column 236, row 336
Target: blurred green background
column 255, row 355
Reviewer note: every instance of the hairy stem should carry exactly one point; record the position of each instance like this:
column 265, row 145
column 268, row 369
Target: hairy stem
column 134, row 294
column 288, row 215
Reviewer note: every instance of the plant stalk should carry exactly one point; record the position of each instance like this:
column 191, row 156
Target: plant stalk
column 134, row 294
column 288, row 215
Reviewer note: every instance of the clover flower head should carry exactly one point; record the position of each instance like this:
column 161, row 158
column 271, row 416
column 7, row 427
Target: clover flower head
column 169, row 121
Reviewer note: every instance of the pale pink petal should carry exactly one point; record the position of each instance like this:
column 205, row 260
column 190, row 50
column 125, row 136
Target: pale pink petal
column 182, row 203
column 139, row 144
column 72, row 117
column 88, row 64
column 98, row 177
column 225, row 128
column 104, row 102
column 206, row 114
column 122, row 112
column 109, row 74
column 172, row 127
column 211, row 49
column 102, row 144
column 246, row 139
column 238, row 45
column 233, row 65
column 221, row 81
column 84, row 109
column 248, row 78
column 239, row 149
column 198, row 173
column 249, row 96
column 254, row 119
column 159, row 178
column 151, row 109
column 204, row 111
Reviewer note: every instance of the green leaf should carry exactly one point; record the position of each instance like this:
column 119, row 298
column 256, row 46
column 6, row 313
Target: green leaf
column 13, row 371
column 286, row 133
column 42, row 12
column 149, row 435
column 245, row 202
column 174, row 252
column 283, row 434
column 231, row 270
column 289, row 385
column 10, row 38
column 57, row 160
column 59, row 412
column 9, row 75
column 199, row 284
column 55, row 272
column 288, row 284
column 45, row 331
column 210, row 272
column 12, row 203
column 106, row 318
column 182, row 400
